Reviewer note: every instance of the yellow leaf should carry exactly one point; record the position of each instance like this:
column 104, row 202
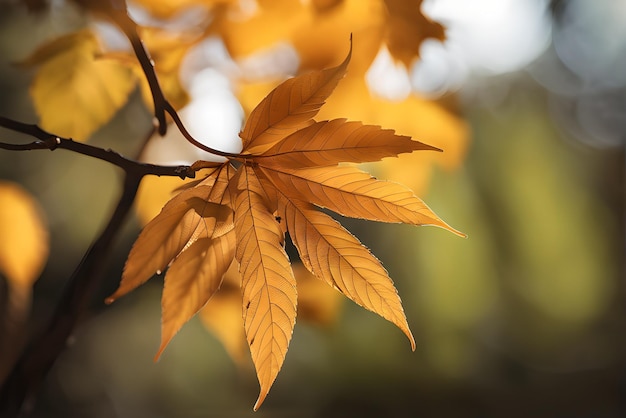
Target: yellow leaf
column 353, row 193
column 192, row 279
column 289, row 107
column 289, row 164
column 154, row 192
column 23, row 236
column 317, row 304
column 75, row 90
column 333, row 254
column 336, row 141
column 268, row 286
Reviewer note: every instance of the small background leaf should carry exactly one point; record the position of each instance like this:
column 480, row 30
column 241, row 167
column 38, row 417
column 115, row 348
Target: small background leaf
column 75, row 91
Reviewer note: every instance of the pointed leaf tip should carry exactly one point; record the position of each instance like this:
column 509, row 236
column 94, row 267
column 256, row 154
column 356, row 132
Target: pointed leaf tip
column 157, row 356
column 405, row 329
column 259, row 401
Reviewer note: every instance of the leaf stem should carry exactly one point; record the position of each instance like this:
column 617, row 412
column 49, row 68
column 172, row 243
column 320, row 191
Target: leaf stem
column 181, row 127
column 161, row 104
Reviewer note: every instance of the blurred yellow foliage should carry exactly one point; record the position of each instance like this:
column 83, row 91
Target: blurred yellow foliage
column 317, row 33
column 23, row 254
column 76, row 90
column 23, row 236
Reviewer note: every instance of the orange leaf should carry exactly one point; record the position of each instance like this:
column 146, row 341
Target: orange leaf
column 268, row 285
column 353, row 193
column 407, row 29
column 289, row 165
column 336, row 141
column 334, row 255
column 192, row 279
column 189, row 215
column 290, row 106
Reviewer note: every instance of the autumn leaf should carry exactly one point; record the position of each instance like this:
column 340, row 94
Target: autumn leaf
column 313, row 28
column 289, row 107
column 194, row 213
column 333, row 254
column 290, row 167
column 318, row 305
column 192, row 279
column 331, row 142
column 76, row 90
column 222, row 316
column 268, row 286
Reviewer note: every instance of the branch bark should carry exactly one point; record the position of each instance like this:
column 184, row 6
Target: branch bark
column 46, row 140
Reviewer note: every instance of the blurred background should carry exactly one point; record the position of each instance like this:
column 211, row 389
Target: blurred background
column 524, row 318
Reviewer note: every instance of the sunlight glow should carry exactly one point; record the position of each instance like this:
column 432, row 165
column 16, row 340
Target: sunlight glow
column 483, row 37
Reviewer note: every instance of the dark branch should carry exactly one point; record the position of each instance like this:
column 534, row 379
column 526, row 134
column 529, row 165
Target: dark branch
column 49, row 141
column 21, row 386
column 129, row 27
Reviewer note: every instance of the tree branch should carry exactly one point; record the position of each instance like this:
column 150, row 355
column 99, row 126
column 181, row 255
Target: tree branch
column 51, row 142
